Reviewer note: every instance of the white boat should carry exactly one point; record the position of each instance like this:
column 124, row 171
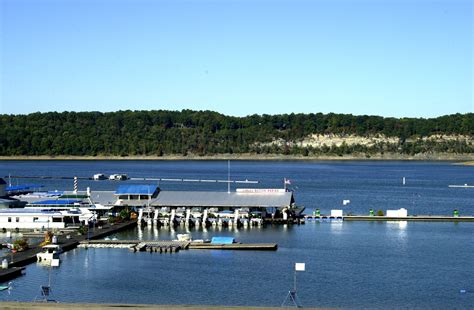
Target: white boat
column 118, row 177
column 99, row 176
column 48, row 253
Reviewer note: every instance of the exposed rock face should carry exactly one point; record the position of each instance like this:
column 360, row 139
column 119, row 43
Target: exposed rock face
column 318, row 141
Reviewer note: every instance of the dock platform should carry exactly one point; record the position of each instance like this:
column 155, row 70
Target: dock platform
column 234, row 246
column 413, row 218
column 20, row 259
column 155, row 246
column 10, row 273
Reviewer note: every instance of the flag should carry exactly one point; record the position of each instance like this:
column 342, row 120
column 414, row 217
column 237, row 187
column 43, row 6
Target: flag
column 287, row 181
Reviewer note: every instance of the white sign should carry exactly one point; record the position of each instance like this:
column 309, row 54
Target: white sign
column 336, row 213
column 299, row 266
column 260, row 190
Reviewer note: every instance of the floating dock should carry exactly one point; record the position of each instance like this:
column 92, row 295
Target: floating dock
column 412, row 218
column 235, row 246
column 175, row 246
column 10, row 273
column 20, row 259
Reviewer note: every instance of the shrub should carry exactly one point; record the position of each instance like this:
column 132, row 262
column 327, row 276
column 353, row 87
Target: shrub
column 21, row 244
column 125, row 214
column 82, row 230
column 379, row 213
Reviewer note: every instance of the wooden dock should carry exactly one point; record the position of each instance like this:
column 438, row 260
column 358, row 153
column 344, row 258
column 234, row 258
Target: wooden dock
column 411, row 218
column 24, row 258
column 174, row 246
column 138, row 245
column 10, row 273
column 234, row 246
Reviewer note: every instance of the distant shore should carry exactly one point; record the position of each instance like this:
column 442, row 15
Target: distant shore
column 465, row 159
column 58, row 306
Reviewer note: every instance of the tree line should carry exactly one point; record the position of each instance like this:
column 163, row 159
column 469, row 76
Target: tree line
column 162, row 132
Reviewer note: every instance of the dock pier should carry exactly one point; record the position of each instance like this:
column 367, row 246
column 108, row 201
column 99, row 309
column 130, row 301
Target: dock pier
column 23, row 258
column 410, row 218
column 174, row 246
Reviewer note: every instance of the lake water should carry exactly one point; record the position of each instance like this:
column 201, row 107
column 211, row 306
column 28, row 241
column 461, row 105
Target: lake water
column 350, row 264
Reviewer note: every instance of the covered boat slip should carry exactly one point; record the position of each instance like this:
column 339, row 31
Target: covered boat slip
column 152, row 196
column 242, row 207
column 223, row 199
column 37, row 219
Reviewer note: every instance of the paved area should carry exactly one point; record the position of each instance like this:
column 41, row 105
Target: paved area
column 58, row 306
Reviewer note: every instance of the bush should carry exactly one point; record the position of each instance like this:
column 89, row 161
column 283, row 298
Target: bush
column 82, row 230
column 21, row 244
column 125, row 214
column 380, row 213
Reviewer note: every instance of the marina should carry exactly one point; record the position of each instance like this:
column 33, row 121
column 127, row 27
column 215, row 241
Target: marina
column 346, row 248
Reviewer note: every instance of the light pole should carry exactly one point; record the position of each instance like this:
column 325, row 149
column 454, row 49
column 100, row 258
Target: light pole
column 292, row 296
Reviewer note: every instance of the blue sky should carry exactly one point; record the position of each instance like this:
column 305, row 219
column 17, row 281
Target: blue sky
column 390, row 58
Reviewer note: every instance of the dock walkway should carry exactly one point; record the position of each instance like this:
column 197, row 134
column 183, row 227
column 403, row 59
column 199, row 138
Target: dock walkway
column 24, row 258
column 413, row 218
column 146, row 245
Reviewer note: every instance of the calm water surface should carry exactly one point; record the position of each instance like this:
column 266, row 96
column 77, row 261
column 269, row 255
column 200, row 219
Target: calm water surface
column 350, row 264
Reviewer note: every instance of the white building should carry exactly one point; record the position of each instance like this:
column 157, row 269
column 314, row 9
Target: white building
column 41, row 219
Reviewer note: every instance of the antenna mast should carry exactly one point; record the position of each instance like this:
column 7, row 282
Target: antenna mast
column 228, row 177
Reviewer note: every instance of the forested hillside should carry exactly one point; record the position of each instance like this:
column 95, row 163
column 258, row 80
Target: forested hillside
column 158, row 133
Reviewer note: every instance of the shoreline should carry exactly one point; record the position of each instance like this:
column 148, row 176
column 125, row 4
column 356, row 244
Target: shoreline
column 463, row 159
column 99, row 306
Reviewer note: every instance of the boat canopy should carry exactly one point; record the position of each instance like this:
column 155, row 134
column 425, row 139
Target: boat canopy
column 222, row 240
column 136, row 190
column 57, row 202
column 24, row 187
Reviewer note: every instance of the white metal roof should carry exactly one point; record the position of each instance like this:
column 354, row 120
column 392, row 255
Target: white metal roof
column 221, row 199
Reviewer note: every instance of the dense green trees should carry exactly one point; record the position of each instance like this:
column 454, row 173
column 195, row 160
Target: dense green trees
column 160, row 133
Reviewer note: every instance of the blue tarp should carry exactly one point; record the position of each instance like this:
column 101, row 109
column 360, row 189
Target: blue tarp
column 22, row 187
column 222, row 240
column 58, row 202
column 136, row 189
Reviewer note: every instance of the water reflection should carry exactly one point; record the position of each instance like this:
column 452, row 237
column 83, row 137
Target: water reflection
column 336, row 227
column 139, row 232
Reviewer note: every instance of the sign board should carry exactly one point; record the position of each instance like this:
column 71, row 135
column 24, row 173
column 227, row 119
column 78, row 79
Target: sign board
column 299, row 266
column 336, row 213
column 260, row 190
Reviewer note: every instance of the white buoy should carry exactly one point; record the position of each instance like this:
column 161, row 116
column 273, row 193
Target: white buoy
column 4, row 263
column 404, row 181
column 345, row 202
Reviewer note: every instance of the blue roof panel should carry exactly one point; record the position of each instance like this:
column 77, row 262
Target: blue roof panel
column 22, row 187
column 57, row 202
column 136, row 189
column 20, row 211
column 222, row 240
